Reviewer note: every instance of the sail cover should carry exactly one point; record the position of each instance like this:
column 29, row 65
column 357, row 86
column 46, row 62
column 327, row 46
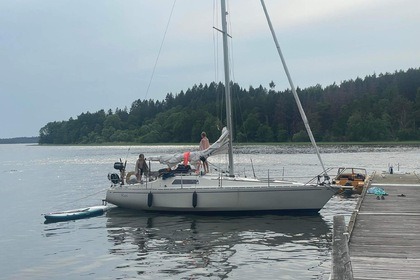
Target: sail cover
column 217, row 148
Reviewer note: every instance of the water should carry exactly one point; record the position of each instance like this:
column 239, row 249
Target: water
column 125, row 244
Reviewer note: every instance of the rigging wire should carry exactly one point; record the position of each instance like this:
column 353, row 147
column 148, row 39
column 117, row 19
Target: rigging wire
column 235, row 94
column 160, row 49
column 216, row 30
column 215, row 41
column 220, row 96
column 231, row 70
column 236, row 110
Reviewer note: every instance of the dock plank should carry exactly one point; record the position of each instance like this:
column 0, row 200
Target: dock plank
column 385, row 239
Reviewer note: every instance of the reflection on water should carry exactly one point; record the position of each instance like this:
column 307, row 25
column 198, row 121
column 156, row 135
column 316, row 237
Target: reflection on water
column 125, row 245
column 195, row 246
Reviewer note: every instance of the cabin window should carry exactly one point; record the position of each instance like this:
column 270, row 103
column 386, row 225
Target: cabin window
column 185, row 182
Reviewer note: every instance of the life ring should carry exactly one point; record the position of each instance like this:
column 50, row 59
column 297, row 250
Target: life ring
column 128, row 176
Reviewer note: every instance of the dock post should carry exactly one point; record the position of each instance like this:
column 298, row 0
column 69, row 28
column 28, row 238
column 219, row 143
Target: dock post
column 340, row 259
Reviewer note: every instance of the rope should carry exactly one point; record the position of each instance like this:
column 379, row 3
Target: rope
column 79, row 199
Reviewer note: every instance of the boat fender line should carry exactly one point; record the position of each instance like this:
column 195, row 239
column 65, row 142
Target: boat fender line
column 150, row 199
column 194, row 199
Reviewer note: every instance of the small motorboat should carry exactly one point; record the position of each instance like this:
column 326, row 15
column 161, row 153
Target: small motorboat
column 351, row 180
column 74, row 214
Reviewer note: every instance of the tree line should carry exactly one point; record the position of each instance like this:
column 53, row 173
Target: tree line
column 384, row 107
column 19, row 140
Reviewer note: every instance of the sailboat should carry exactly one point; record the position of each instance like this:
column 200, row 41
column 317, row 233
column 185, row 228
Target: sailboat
column 179, row 189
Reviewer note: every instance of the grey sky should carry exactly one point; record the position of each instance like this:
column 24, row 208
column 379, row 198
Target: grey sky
column 60, row 58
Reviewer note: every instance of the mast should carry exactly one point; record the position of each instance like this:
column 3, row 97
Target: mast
column 227, row 87
column 295, row 95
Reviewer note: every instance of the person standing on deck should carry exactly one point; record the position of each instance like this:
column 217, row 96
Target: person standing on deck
column 204, row 144
column 141, row 167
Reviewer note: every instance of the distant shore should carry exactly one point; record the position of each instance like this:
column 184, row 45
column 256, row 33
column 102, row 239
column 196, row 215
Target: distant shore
column 391, row 143
column 35, row 139
column 20, row 140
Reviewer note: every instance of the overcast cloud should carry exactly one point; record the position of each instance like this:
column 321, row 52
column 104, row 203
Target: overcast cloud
column 60, row 58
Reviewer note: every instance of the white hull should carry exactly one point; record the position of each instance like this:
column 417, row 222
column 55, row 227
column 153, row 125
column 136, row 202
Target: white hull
column 213, row 194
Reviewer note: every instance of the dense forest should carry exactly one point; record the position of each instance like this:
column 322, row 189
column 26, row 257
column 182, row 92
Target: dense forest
column 383, row 107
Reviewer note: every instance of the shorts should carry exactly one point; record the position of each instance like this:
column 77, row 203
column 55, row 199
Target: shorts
column 203, row 159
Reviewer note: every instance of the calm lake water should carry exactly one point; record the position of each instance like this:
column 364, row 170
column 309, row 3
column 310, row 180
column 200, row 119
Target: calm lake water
column 124, row 244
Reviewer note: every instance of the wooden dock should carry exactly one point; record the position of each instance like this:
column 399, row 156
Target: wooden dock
column 384, row 234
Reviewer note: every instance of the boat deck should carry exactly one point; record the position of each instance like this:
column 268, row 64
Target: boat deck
column 385, row 233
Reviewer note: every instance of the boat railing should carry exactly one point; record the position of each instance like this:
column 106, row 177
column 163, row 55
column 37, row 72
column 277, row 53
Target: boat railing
column 321, row 179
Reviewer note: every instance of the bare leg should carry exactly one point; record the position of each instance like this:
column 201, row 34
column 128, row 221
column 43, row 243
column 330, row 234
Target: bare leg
column 198, row 167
